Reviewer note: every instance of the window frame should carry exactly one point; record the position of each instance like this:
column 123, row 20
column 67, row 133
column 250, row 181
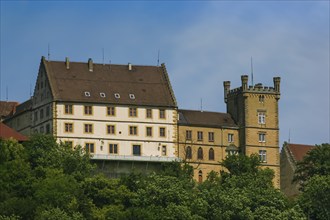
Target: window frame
column 111, row 129
column 164, row 150
column 133, row 128
column 200, row 154
column 148, row 128
column 211, row 154
column 149, row 113
column 263, row 156
column 88, row 110
column 140, row 149
column 89, row 147
column 262, row 137
column 162, row 132
column 133, row 112
column 188, row 134
column 90, row 128
column 230, row 138
column 68, row 109
column 261, row 117
column 67, row 125
column 199, row 135
column 162, row 114
column 211, row 136
column 111, row 111
column 114, row 150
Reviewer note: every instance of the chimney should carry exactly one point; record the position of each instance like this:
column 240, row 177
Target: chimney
column 129, row 66
column 67, row 63
column 244, row 79
column 226, row 86
column 90, row 65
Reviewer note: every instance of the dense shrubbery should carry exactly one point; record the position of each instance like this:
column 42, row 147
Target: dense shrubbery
column 46, row 180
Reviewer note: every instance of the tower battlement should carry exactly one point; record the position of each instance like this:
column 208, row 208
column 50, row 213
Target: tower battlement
column 257, row 88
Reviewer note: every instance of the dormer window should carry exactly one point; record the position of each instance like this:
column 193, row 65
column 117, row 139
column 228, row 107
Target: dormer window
column 131, row 96
column 87, row 94
column 102, row 94
column 117, row 96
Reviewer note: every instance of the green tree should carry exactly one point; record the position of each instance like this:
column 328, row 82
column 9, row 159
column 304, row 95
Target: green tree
column 315, row 200
column 316, row 162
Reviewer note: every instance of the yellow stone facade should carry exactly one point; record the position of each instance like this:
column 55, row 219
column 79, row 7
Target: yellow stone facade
column 254, row 110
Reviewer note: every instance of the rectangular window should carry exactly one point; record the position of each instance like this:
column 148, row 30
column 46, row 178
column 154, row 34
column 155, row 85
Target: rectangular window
column 149, row 131
column 211, row 136
column 136, row 150
column 41, row 114
column 111, row 111
column 89, row 147
column 261, row 118
column 68, row 109
column 132, row 112
column 68, row 127
column 88, row 110
column 47, row 129
column 262, row 137
column 35, row 116
column 113, row 149
column 133, row 130
column 263, row 156
column 111, row 129
column 42, row 129
column 148, row 113
column 199, row 135
column 162, row 132
column 188, row 135
column 47, row 111
column 162, row 113
column 230, row 138
column 164, row 151
column 88, row 128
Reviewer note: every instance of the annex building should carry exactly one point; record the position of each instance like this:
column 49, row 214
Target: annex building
column 126, row 115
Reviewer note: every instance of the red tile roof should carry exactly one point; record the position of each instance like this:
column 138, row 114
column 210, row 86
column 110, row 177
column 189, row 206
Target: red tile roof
column 7, row 133
column 298, row 151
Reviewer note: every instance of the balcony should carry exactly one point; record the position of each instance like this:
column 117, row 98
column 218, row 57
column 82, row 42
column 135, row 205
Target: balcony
column 134, row 158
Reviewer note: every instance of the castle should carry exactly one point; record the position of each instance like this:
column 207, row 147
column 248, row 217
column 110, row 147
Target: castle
column 127, row 115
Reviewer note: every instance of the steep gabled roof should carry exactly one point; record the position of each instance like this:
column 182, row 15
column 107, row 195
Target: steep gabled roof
column 298, row 151
column 7, row 108
column 149, row 85
column 206, row 119
column 7, row 133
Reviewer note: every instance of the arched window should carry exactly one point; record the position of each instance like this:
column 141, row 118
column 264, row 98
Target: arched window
column 211, row 154
column 188, row 153
column 200, row 154
column 200, row 176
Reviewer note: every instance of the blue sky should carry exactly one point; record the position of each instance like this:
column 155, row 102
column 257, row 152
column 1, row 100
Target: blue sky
column 201, row 43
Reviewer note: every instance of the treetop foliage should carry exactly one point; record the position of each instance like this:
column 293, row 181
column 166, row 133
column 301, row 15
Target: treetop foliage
column 42, row 179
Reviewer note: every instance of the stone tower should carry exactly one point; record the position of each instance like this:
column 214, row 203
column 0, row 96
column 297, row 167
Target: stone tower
column 255, row 110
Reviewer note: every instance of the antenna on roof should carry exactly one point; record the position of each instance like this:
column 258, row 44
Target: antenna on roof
column 103, row 55
column 48, row 51
column 30, row 90
column 158, row 57
column 252, row 70
column 7, row 93
column 201, row 104
column 289, row 135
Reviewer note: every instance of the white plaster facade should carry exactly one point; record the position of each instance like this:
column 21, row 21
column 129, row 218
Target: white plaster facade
column 152, row 147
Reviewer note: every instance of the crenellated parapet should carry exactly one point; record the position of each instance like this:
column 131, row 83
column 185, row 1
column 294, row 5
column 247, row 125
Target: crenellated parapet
column 257, row 88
